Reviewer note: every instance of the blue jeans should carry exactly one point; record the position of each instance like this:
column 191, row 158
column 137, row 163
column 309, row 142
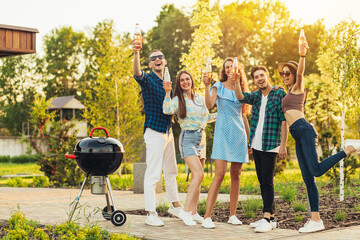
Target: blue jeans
column 305, row 138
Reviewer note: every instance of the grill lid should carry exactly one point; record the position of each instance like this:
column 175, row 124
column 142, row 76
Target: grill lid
column 99, row 145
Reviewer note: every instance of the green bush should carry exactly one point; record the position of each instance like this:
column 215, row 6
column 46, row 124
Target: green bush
column 20, row 159
column 298, row 217
column 340, row 215
column 40, row 181
column 357, row 208
column 299, row 206
column 16, row 182
column 250, row 206
column 288, row 193
column 202, row 206
column 20, row 228
column 5, row 159
column 162, row 207
column 123, row 182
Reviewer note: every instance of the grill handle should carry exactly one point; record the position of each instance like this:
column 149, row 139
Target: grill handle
column 72, row 156
column 106, row 131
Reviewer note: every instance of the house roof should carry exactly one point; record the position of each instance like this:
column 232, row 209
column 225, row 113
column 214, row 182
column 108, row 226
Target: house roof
column 67, row 102
column 16, row 40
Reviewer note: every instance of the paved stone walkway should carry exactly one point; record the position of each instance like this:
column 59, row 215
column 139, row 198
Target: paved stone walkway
column 51, row 206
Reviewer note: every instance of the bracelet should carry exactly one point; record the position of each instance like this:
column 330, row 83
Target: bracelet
column 303, row 55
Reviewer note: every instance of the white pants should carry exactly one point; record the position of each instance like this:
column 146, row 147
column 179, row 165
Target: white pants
column 160, row 153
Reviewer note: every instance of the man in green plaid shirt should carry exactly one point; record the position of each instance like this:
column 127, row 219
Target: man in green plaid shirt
column 268, row 136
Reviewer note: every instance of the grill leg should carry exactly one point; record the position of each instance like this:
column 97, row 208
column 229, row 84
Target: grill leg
column 110, row 192
column 77, row 199
column 109, row 210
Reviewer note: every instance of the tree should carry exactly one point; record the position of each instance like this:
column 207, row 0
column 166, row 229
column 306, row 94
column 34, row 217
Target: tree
column 205, row 36
column 322, row 103
column 59, row 138
column 343, row 55
column 172, row 35
column 263, row 33
column 63, row 58
column 17, row 91
column 111, row 95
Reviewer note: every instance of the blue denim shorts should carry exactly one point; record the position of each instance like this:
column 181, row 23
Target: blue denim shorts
column 192, row 142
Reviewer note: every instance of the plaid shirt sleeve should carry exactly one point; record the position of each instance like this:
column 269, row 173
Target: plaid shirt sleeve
column 248, row 98
column 142, row 79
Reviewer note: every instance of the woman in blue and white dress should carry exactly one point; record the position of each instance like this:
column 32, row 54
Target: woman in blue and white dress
column 230, row 138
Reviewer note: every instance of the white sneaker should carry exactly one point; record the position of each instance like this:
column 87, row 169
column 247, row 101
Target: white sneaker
column 197, row 218
column 312, row 226
column 234, row 220
column 264, row 226
column 186, row 217
column 273, row 223
column 154, row 220
column 174, row 210
column 353, row 142
column 207, row 223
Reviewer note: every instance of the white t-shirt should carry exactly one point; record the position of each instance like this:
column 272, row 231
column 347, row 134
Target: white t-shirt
column 257, row 140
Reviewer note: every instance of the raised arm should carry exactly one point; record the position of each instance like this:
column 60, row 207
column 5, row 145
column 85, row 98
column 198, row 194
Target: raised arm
column 209, row 99
column 235, row 78
column 136, row 63
column 299, row 85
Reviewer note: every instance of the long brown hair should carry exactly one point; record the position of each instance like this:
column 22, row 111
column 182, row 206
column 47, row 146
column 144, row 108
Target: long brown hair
column 245, row 108
column 180, row 94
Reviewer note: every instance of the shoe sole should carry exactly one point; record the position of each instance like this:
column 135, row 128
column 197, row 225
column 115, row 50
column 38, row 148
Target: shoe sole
column 234, row 223
column 208, row 227
column 313, row 231
column 262, row 231
column 154, row 225
column 174, row 214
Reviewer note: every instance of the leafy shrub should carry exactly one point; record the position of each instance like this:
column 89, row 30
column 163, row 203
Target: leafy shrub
column 299, row 206
column 20, row 159
column 60, row 139
column 357, row 208
column 340, row 215
column 16, row 182
column 298, row 217
column 128, row 167
column 250, row 206
column 20, row 228
column 162, row 207
column 123, row 182
column 288, row 193
column 202, row 206
column 40, row 181
column 5, row 159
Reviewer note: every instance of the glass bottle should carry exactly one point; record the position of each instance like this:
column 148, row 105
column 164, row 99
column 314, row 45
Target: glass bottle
column 235, row 66
column 167, row 75
column 302, row 40
column 208, row 69
column 137, row 34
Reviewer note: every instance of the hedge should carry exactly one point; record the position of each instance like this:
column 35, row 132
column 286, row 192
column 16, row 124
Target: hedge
column 19, row 159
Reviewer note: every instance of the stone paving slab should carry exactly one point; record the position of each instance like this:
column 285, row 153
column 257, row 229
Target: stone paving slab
column 51, row 206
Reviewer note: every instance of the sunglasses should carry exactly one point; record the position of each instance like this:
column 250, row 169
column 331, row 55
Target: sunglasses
column 153, row 58
column 285, row 74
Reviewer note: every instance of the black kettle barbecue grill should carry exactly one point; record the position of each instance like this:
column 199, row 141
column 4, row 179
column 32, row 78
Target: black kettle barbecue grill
column 98, row 157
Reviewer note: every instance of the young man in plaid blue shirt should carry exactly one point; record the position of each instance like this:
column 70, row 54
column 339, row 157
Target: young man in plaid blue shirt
column 268, row 136
column 159, row 140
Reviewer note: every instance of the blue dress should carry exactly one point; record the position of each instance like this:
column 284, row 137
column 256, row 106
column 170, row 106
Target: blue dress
column 230, row 140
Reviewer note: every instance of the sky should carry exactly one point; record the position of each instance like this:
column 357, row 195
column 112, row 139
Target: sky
column 83, row 15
